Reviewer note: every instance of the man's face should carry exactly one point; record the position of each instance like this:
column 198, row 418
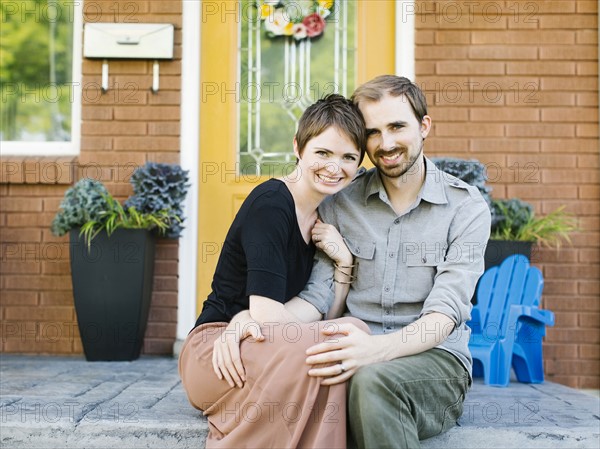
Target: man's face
column 394, row 135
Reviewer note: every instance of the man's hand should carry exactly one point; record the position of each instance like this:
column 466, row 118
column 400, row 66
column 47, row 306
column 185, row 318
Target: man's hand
column 344, row 354
column 226, row 359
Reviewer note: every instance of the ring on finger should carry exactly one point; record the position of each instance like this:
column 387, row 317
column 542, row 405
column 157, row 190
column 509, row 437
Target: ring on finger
column 342, row 367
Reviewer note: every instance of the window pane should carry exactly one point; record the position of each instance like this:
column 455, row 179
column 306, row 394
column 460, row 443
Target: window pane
column 281, row 76
column 36, row 51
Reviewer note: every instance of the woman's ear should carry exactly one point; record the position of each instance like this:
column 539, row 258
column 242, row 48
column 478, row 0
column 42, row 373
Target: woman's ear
column 296, row 152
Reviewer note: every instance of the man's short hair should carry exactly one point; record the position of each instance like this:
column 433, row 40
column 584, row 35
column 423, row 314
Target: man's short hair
column 337, row 111
column 395, row 86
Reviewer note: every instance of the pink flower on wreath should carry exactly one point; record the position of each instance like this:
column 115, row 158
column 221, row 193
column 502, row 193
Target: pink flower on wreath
column 315, row 24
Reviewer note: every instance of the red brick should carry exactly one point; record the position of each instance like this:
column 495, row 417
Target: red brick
column 587, row 130
column 540, row 130
column 570, row 145
column 161, row 330
column 468, row 129
column 537, row 67
column 38, row 282
column 158, row 346
column 148, row 143
column 589, row 287
column 438, row 52
column 163, row 314
column 451, row 37
column 569, row 21
column 561, row 83
column 532, row 96
column 572, row 366
column 469, row 68
column 591, row 382
column 532, row 9
column 589, row 320
column 424, row 37
column 566, row 319
column 589, row 192
column 18, row 235
column 165, row 283
column 573, row 335
column 57, row 298
column 39, row 219
column 571, row 271
column 147, row 113
column 525, row 37
column 587, row 36
column 165, row 250
column 504, row 145
column 559, row 351
column 587, row 176
column 505, row 115
column 589, row 352
column 541, row 192
column 164, row 299
column 21, row 205
column 560, row 287
column 570, row 115
column 164, row 128
column 446, row 144
column 113, row 128
column 96, row 112
column 589, row 255
column 39, row 313
column 569, row 381
column 164, row 158
column 20, row 267
column 38, row 347
column 586, row 99
column 165, row 267
column 18, row 298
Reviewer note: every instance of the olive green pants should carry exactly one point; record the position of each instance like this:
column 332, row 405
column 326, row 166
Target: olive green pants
column 397, row 403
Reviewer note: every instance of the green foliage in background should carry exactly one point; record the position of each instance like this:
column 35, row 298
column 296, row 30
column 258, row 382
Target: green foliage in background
column 36, row 47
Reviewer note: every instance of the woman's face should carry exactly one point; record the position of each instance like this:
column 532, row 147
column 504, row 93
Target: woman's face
column 329, row 161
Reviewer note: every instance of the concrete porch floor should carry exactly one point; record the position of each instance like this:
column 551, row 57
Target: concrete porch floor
column 66, row 402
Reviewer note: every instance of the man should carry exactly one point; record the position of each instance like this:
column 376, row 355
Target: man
column 418, row 237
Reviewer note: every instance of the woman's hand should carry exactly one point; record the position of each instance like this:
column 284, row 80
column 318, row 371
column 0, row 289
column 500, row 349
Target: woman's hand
column 226, row 360
column 328, row 239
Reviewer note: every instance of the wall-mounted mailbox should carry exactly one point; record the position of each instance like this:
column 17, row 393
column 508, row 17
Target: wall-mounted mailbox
column 129, row 41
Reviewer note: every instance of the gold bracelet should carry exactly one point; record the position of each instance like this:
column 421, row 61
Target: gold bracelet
column 335, row 264
column 343, row 282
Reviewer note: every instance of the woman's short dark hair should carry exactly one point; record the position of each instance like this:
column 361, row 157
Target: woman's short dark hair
column 335, row 111
column 395, row 86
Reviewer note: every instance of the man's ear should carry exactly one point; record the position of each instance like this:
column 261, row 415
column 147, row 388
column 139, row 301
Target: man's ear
column 425, row 126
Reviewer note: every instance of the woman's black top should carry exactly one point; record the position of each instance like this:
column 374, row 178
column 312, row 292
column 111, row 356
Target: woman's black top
column 264, row 254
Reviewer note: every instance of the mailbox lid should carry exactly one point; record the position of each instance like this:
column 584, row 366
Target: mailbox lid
column 128, row 40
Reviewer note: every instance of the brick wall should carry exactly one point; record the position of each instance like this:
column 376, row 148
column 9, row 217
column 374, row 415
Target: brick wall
column 514, row 84
column 121, row 129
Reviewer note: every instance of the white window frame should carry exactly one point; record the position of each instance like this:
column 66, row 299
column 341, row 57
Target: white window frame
column 71, row 148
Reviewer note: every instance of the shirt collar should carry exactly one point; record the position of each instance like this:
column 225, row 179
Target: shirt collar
column 432, row 190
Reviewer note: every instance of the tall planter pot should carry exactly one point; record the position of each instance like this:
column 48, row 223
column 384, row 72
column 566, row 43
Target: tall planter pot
column 498, row 250
column 112, row 288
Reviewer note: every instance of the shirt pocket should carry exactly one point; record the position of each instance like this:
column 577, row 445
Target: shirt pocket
column 364, row 256
column 420, row 273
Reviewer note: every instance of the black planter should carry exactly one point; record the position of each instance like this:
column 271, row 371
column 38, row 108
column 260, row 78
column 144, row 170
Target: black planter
column 112, row 288
column 498, row 250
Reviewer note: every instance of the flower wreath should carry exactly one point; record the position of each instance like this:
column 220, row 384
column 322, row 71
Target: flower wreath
column 299, row 18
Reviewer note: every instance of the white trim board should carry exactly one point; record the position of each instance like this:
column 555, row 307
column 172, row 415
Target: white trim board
column 189, row 154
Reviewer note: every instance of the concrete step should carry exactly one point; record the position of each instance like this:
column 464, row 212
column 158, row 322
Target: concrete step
column 63, row 402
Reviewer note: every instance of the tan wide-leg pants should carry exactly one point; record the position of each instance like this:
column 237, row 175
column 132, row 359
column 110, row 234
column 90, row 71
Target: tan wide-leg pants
column 279, row 406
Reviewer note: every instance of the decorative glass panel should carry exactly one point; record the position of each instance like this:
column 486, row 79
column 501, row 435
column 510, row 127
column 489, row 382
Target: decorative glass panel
column 283, row 71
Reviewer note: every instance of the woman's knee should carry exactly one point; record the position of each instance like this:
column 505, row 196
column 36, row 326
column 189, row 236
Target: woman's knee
column 355, row 321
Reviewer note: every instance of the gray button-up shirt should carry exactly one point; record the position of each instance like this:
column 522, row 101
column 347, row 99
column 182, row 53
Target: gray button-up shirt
column 426, row 260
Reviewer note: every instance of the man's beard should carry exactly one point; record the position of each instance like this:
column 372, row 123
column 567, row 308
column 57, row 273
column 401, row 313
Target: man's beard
column 401, row 169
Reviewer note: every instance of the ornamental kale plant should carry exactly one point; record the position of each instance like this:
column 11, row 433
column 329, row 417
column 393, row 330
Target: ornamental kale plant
column 83, row 202
column 472, row 172
column 160, row 187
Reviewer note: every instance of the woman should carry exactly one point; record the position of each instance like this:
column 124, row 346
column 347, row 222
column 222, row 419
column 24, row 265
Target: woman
column 268, row 400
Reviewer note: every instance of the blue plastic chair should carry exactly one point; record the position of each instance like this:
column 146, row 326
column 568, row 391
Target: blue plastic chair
column 507, row 325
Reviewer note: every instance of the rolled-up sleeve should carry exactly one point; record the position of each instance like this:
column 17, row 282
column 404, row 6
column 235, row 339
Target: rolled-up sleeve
column 457, row 276
column 319, row 290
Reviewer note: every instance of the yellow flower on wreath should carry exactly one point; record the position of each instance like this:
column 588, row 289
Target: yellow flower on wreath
column 326, row 3
column 266, row 10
